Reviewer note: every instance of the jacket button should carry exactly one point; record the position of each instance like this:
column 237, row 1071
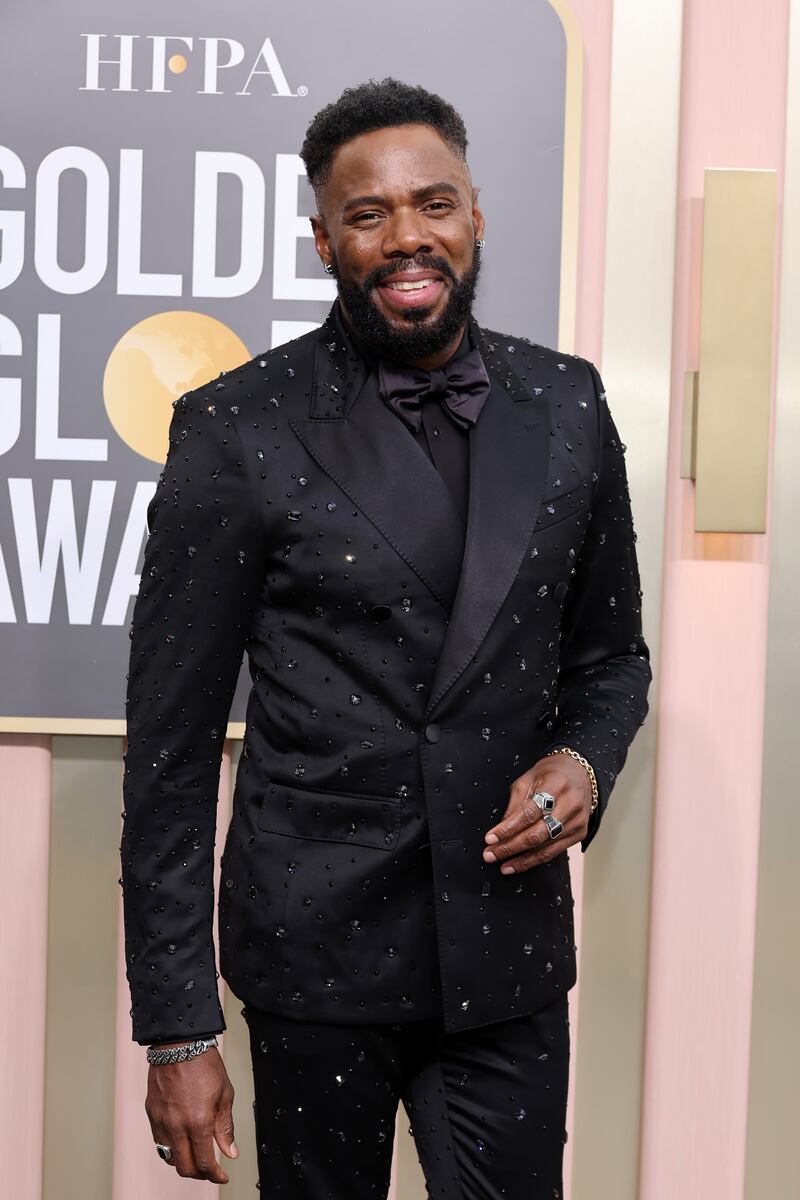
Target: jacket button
column 380, row 612
column 432, row 733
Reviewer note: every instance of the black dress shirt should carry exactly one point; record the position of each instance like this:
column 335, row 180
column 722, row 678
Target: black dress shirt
column 444, row 442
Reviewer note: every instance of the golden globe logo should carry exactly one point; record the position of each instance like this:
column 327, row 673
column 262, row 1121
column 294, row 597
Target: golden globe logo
column 155, row 362
column 115, row 60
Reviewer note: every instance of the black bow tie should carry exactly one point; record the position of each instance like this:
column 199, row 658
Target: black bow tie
column 461, row 386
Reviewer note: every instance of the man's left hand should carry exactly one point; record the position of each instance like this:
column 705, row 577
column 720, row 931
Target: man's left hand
column 521, row 840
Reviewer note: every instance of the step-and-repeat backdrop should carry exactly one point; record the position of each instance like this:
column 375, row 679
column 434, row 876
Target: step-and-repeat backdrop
column 154, row 232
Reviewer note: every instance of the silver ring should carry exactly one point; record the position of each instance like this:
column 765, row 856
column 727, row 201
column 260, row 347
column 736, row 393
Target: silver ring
column 164, row 1152
column 545, row 800
column 554, row 826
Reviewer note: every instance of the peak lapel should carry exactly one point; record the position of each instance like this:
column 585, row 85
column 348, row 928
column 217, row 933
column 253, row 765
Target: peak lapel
column 508, row 467
column 375, row 460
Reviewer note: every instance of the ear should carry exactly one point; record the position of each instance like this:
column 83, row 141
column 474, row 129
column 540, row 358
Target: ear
column 478, row 221
column 322, row 240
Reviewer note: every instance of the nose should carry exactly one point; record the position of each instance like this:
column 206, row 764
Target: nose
column 406, row 234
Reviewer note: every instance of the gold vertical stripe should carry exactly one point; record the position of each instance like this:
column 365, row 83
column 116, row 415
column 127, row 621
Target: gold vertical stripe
column 571, row 186
column 735, row 378
column 771, row 1165
column 636, row 368
column 82, row 968
column 688, row 426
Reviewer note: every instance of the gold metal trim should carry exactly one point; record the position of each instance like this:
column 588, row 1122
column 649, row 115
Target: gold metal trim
column 689, row 426
column 735, row 375
column 571, row 190
column 80, row 726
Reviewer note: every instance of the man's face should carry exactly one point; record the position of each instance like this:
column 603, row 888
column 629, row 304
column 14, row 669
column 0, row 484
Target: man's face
column 398, row 222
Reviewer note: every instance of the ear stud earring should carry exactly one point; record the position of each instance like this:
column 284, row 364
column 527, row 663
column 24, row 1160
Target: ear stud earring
column 328, row 268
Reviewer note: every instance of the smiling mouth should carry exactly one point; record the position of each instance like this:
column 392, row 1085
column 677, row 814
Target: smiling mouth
column 405, row 294
column 406, row 286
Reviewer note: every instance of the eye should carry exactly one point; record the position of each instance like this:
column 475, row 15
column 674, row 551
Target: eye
column 367, row 215
column 439, row 205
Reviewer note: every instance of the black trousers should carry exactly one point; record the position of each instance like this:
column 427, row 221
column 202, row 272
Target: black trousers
column 486, row 1106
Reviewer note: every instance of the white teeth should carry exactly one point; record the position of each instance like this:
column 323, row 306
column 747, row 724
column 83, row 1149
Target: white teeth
column 408, row 286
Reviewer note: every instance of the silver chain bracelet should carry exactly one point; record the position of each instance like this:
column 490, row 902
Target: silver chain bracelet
column 175, row 1054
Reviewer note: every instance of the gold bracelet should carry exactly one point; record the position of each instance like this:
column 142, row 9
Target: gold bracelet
column 579, row 758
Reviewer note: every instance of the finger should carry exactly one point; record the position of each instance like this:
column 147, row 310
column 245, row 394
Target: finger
column 182, row 1157
column 529, row 838
column 526, row 810
column 193, row 1157
column 205, row 1159
column 527, row 814
column 536, row 839
column 223, row 1129
column 569, row 810
column 161, row 1137
column 524, row 862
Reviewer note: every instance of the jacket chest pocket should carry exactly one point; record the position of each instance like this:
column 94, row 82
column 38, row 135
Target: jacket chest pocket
column 562, row 505
column 331, row 816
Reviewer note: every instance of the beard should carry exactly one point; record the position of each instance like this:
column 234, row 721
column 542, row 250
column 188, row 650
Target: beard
column 414, row 336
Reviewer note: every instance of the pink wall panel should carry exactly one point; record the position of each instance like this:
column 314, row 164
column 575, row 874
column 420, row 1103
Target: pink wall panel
column 24, row 859
column 711, row 690
column 705, row 869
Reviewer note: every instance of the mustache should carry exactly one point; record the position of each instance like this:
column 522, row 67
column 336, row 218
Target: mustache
column 419, row 262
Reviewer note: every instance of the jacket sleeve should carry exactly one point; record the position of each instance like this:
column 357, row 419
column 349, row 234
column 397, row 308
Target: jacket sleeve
column 201, row 576
column 604, row 662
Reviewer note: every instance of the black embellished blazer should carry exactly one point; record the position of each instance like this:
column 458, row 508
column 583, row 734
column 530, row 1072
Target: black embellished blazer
column 404, row 672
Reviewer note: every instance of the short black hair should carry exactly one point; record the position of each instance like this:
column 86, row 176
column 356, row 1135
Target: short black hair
column 376, row 104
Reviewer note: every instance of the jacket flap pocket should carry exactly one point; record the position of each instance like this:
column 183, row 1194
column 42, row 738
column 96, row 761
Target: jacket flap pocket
column 331, row 816
column 566, row 504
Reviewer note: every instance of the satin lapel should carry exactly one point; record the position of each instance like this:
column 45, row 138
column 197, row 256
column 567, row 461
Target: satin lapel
column 508, row 467
column 375, row 460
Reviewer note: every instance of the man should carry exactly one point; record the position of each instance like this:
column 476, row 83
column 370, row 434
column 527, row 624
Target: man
column 420, row 531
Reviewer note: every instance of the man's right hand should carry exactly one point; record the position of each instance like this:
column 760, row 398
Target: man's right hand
column 190, row 1106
